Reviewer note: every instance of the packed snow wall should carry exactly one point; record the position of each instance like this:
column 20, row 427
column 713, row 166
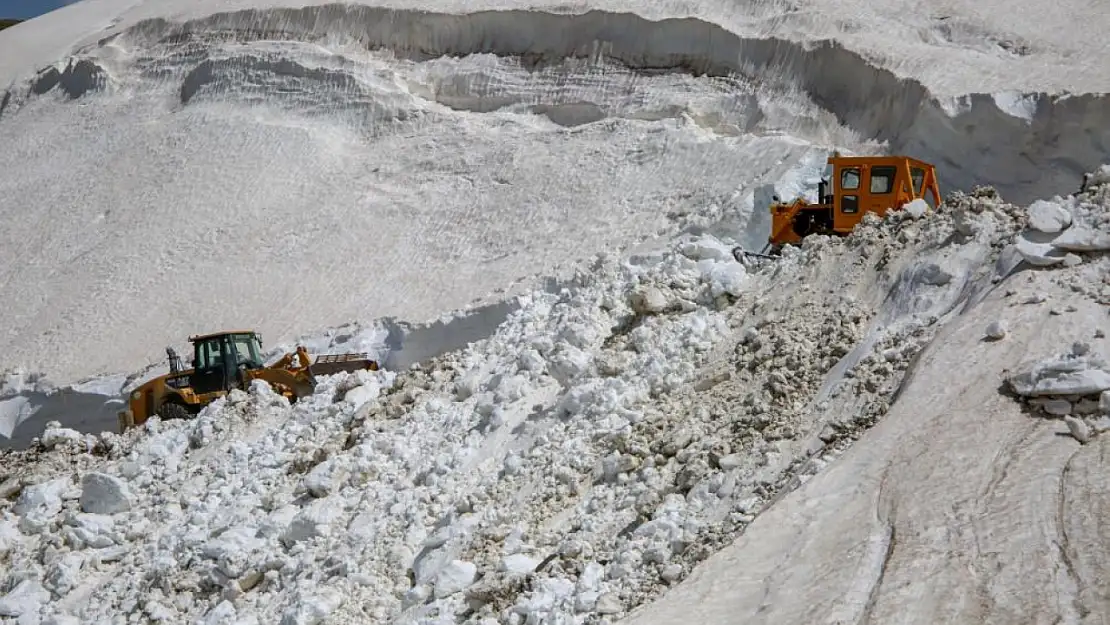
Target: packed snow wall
column 1026, row 145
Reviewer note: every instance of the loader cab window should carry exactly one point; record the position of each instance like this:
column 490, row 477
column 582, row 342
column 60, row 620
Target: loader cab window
column 209, row 354
column 882, row 179
column 248, row 350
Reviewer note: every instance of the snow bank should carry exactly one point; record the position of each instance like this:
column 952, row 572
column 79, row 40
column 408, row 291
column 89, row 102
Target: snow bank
column 911, row 120
column 30, row 401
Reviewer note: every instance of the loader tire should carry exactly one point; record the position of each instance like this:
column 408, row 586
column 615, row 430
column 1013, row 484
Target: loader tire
column 173, row 410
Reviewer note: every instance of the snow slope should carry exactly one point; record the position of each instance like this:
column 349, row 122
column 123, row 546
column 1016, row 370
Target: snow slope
column 611, row 436
column 226, row 164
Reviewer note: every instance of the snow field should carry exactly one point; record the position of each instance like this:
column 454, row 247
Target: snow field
column 608, row 438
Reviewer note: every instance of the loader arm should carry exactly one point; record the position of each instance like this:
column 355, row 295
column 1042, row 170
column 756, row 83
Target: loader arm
column 301, row 383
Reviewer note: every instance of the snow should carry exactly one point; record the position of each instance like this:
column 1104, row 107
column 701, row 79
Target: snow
column 104, row 494
column 590, row 411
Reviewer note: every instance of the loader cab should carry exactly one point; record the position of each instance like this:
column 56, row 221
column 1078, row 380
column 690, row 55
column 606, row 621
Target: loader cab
column 218, row 358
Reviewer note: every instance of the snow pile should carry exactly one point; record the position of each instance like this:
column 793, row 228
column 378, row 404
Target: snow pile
column 1073, row 233
column 16, row 387
column 952, row 478
column 607, row 438
column 1059, row 229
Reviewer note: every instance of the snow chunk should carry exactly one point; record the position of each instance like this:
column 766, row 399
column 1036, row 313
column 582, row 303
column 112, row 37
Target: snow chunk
column 519, row 563
column 917, row 208
column 104, row 494
column 706, row 248
column 312, row 609
column 55, row 436
column 325, row 477
column 24, row 599
column 1048, row 217
column 1072, row 374
column 1057, row 407
column 314, row 520
column 996, row 330
column 648, row 300
column 43, row 499
column 456, row 576
column 722, row 278
column 1082, row 239
column 1078, row 429
column 1040, row 254
column 608, row 603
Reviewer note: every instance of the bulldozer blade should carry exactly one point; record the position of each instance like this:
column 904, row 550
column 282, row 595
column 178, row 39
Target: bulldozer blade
column 738, row 253
column 329, row 364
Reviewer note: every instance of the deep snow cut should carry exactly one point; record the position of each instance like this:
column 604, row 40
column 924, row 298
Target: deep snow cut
column 659, row 431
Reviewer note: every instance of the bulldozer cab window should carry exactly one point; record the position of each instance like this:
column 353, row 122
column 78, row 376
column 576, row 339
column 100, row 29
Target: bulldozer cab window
column 917, row 177
column 882, row 179
column 849, row 178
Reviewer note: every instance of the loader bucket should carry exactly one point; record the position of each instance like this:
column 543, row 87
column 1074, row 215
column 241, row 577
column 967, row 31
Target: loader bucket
column 329, row 364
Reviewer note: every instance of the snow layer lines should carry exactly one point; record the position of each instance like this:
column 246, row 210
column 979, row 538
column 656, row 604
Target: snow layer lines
column 297, row 168
column 609, row 438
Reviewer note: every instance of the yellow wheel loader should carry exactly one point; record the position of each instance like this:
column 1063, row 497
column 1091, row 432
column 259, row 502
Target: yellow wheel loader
column 224, row 361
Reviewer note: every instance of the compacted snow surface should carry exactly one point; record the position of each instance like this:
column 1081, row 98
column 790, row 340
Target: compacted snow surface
column 628, row 425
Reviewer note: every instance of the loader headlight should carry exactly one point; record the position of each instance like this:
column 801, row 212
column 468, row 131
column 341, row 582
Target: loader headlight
column 135, row 394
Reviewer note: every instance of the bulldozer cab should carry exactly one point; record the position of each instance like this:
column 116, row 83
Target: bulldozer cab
column 219, row 358
column 856, row 185
column 877, row 184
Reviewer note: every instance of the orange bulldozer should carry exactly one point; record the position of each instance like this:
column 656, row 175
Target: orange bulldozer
column 860, row 185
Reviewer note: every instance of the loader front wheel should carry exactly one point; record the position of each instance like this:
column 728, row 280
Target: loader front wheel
column 173, row 410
